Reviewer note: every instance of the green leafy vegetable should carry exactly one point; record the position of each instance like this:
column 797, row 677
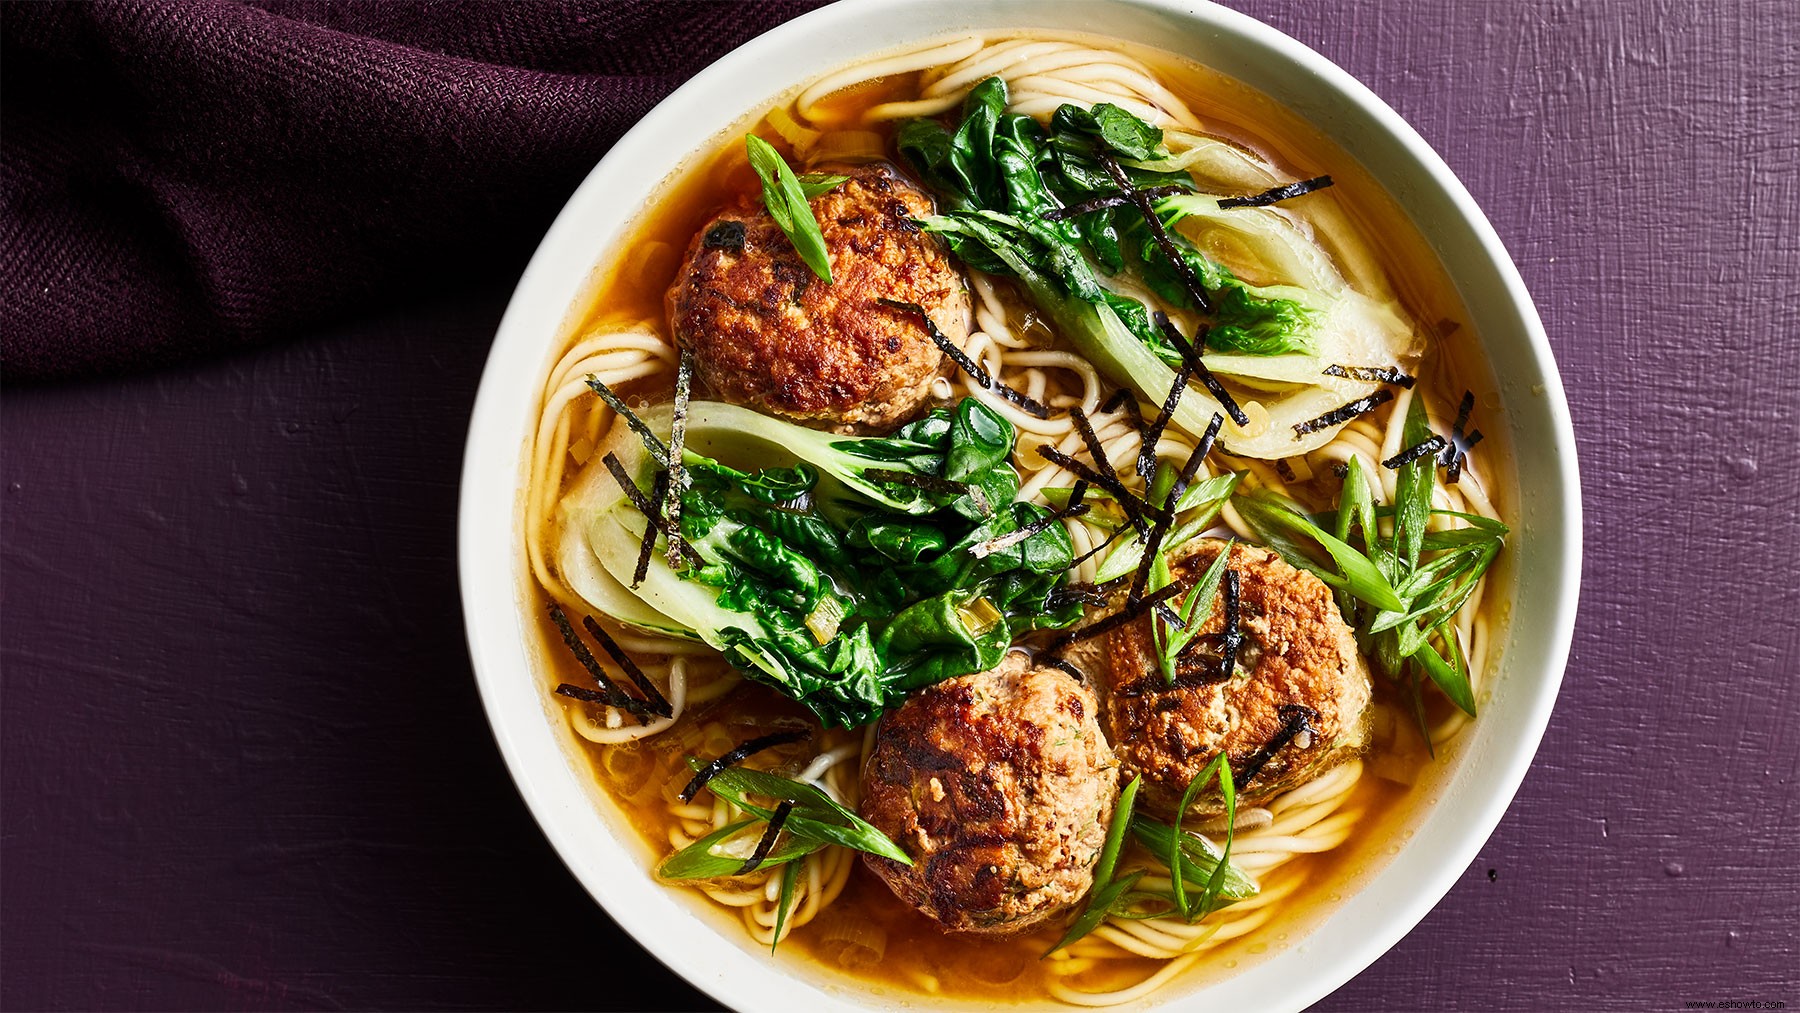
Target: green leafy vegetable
column 786, row 198
column 1016, row 199
column 844, row 580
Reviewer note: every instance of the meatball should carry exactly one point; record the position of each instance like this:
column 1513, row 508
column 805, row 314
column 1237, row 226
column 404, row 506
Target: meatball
column 999, row 786
column 1297, row 701
column 765, row 332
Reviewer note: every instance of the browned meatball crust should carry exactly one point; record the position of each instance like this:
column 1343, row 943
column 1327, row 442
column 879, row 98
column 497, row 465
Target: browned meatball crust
column 1298, row 661
column 999, row 786
column 765, row 332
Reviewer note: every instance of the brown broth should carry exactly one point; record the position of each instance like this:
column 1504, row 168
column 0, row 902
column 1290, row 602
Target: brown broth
column 638, row 777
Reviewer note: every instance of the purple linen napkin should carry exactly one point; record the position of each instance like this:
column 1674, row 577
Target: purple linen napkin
column 181, row 178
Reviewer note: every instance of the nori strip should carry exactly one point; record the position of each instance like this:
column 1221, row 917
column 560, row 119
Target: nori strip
column 648, row 545
column 1133, row 507
column 767, row 844
column 1185, row 271
column 1295, row 719
column 609, row 693
column 658, row 702
column 678, row 481
column 1076, row 593
column 1146, row 462
column 981, row 376
column 1452, row 457
column 1454, row 472
column 1372, row 374
column 1190, row 354
column 742, row 752
column 1126, row 399
column 1339, row 416
column 1096, row 550
column 638, row 426
column 1128, row 613
column 1232, row 640
column 1192, row 467
column 929, row 483
column 1277, row 193
column 1431, row 445
column 982, row 550
column 650, row 506
column 1285, row 470
column 1111, row 200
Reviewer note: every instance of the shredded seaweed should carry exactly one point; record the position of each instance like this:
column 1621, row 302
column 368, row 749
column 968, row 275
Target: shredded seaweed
column 658, row 702
column 1146, row 462
column 1078, row 594
column 982, row 550
column 1339, row 416
column 983, row 379
column 1134, row 508
column 1459, row 444
column 1425, row 447
column 677, row 484
column 1277, row 194
column 1296, row 718
column 1112, row 200
column 1186, row 476
column 650, row 506
column 609, row 693
column 1125, row 398
column 1096, row 550
column 1064, row 666
column 648, row 546
column 638, row 426
column 1140, row 579
column 1372, row 374
column 736, row 756
column 1147, row 208
column 1231, row 641
column 929, row 483
column 1285, row 470
column 1454, row 472
column 1131, row 611
column 767, row 844
column 1190, row 353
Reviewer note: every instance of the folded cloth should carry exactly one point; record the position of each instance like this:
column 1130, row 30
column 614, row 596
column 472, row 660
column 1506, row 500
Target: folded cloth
column 184, row 177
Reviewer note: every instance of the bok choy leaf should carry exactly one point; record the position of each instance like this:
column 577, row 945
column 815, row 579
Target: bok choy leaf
column 843, row 571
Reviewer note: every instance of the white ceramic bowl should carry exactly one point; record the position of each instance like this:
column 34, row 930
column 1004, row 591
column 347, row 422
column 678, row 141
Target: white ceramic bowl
column 1488, row 766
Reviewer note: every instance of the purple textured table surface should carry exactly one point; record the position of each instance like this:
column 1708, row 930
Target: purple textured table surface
column 245, row 766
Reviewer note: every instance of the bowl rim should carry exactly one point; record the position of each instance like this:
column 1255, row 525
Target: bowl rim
column 493, row 602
